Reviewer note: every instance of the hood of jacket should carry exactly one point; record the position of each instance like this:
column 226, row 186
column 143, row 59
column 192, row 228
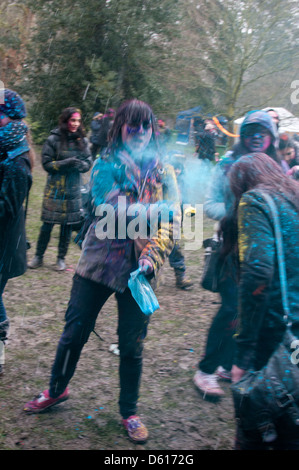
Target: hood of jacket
column 265, row 120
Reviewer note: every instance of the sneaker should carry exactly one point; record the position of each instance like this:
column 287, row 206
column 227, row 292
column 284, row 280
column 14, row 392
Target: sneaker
column 43, row 401
column 36, row 262
column 223, row 374
column 207, row 384
column 60, row 265
column 137, row 432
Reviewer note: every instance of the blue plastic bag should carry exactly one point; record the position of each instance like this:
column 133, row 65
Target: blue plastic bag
column 143, row 293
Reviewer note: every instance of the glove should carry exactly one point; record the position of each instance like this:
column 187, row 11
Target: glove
column 77, row 164
column 67, row 162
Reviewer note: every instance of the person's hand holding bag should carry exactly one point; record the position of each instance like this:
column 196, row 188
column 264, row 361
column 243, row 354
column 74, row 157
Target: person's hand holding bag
column 145, row 266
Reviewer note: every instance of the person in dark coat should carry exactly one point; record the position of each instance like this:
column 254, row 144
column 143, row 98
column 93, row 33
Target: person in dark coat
column 261, row 323
column 15, row 183
column 101, row 125
column 205, row 141
column 95, row 139
column 65, row 156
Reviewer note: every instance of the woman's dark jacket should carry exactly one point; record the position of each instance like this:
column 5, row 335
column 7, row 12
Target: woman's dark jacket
column 62, row 203
column 15, row 183
column 261, row 324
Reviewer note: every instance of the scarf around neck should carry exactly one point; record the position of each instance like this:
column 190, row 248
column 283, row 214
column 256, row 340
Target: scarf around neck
column 13, row 139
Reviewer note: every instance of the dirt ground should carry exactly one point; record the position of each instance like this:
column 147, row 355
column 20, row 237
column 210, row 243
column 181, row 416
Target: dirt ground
column 176, row 415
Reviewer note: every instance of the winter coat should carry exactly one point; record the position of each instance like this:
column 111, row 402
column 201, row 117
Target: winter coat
column 96, row 126
column 15, row 183
column 205, row 145
column 261, row 324
column 100, row 130
column 111, row 260
column 62, row 202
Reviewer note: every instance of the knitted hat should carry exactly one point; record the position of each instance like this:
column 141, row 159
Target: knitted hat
column 13, row 106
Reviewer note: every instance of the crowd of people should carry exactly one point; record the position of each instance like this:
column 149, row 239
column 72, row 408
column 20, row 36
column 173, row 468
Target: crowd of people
column 127, row 164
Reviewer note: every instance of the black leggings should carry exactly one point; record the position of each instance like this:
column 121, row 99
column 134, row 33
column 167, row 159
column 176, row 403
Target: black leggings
column 220, row 346
column 87, row 299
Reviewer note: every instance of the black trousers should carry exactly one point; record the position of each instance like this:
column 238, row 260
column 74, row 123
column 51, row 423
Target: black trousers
column 220, row 346
column 45, row 235
column 87, row 299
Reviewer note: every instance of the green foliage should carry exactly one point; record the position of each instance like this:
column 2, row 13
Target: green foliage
column 92, row 55
column 95, row 53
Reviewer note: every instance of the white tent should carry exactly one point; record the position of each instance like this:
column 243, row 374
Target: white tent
column 288, row 123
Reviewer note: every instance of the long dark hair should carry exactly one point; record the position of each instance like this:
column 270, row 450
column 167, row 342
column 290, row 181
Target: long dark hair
column 256, row 170
column 63, row 126
column 131, row 111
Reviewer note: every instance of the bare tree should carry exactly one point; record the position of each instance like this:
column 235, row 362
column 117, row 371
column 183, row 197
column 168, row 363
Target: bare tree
column 230, row 45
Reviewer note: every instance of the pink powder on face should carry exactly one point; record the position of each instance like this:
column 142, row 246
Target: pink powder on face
column 74, row 122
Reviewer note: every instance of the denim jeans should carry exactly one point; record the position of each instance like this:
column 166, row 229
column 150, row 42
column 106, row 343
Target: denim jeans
column 87, row 299
column 176, row 257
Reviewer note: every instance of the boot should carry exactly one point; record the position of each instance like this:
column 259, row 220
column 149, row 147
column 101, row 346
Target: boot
column 36, row 262
column 4, row 327
column 64, row 241
column 181, row 281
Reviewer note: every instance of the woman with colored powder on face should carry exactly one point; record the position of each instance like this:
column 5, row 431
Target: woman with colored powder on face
column 65, row 156
column 130, row 171
column 258, row 133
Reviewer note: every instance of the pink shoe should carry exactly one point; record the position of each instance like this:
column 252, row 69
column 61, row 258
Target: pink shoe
column 207, row 384
column 43, row 401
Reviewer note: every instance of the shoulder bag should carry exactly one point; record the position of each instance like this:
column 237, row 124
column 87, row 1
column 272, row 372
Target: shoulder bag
column 212, row 264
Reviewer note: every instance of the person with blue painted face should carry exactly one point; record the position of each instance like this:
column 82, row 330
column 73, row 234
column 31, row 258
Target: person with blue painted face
column 258, row 133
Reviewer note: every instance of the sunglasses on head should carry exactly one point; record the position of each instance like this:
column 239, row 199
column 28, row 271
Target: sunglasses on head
column 133, row 128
